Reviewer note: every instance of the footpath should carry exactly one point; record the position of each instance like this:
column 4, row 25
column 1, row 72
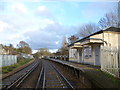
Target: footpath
column 94, row 74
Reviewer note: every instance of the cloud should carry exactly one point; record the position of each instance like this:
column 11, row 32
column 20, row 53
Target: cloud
column 43, row 11
column 19, row 8
column 50, row 36
column 53, row 50
column 4, row 26
column 9, row 34
column 38, row 33
column 45, row 37
column 41, row 31
column 12, row 28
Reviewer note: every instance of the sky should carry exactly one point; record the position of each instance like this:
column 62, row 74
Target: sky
column 44, row 24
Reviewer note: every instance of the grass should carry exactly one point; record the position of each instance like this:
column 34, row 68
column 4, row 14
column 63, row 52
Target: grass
column 10, row 68
column 113, row 78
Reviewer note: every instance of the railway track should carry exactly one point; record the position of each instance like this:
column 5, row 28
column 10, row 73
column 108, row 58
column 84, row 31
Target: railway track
column 21, row 79
column 50, row 77
column 43, row 75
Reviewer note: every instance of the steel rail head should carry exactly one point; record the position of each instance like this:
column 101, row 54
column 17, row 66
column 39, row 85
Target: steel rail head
column 21, row 79
column 69, row 84
column 63, row 77
column 40, row 75
column 40, row 78
column 30, row 71
column 44, row 79
column 26, row 75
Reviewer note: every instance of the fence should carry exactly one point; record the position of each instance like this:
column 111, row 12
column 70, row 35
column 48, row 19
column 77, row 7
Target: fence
column 6, row 60
column 110, row 60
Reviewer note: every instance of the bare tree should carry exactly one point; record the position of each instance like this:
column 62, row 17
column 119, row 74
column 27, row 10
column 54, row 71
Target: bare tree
column 88, row 29
column 118, row 14
column 22, row 44
column 110, row 19
column 43, row 52
column 72, row 38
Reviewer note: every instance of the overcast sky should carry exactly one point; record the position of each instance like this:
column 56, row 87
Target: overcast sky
column 43, row 24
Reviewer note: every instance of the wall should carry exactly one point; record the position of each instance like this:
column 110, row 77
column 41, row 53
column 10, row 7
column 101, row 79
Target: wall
column 79, row 55
column 111, row 38
column 89, row 59
column 99, row 36
column 7, row 60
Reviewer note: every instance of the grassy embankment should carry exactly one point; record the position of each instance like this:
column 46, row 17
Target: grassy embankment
column 10, row 68
column 113, row 78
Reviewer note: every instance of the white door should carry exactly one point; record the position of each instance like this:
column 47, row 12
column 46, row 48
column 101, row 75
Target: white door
column 97, row 55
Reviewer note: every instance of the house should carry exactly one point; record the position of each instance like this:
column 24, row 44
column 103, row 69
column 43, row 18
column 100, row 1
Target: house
column 101, row 48
column 3, row 50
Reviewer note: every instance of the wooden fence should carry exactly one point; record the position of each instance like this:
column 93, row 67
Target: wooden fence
column 6, row 60
column 110, row 60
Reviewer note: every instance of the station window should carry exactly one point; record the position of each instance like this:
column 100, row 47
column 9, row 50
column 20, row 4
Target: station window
column 87, row 52
column 73, row 53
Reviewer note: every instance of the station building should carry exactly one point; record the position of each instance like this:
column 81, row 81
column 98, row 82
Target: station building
column 100, row 48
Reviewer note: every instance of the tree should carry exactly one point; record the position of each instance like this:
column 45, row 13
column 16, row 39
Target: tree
column 64, row 49
column 43, row 52
column 109, row 20
column 118, row 14
column 10, row 45
column 84, row 31
column 72, row 38
column 22, row 44
column 88, row 29
column 24, row 47
column 27, row 50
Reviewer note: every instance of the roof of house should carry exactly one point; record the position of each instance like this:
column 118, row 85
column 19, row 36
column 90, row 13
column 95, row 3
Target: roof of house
column 112, row 29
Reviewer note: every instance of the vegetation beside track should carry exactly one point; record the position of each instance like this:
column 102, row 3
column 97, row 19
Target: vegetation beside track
column 10, row 68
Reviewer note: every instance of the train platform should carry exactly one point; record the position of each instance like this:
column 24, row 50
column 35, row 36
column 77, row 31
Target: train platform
column 94, row 74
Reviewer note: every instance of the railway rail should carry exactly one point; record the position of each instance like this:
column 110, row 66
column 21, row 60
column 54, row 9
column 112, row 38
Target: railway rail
column 50, row 77
column 44, row 75
column 19, row 81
